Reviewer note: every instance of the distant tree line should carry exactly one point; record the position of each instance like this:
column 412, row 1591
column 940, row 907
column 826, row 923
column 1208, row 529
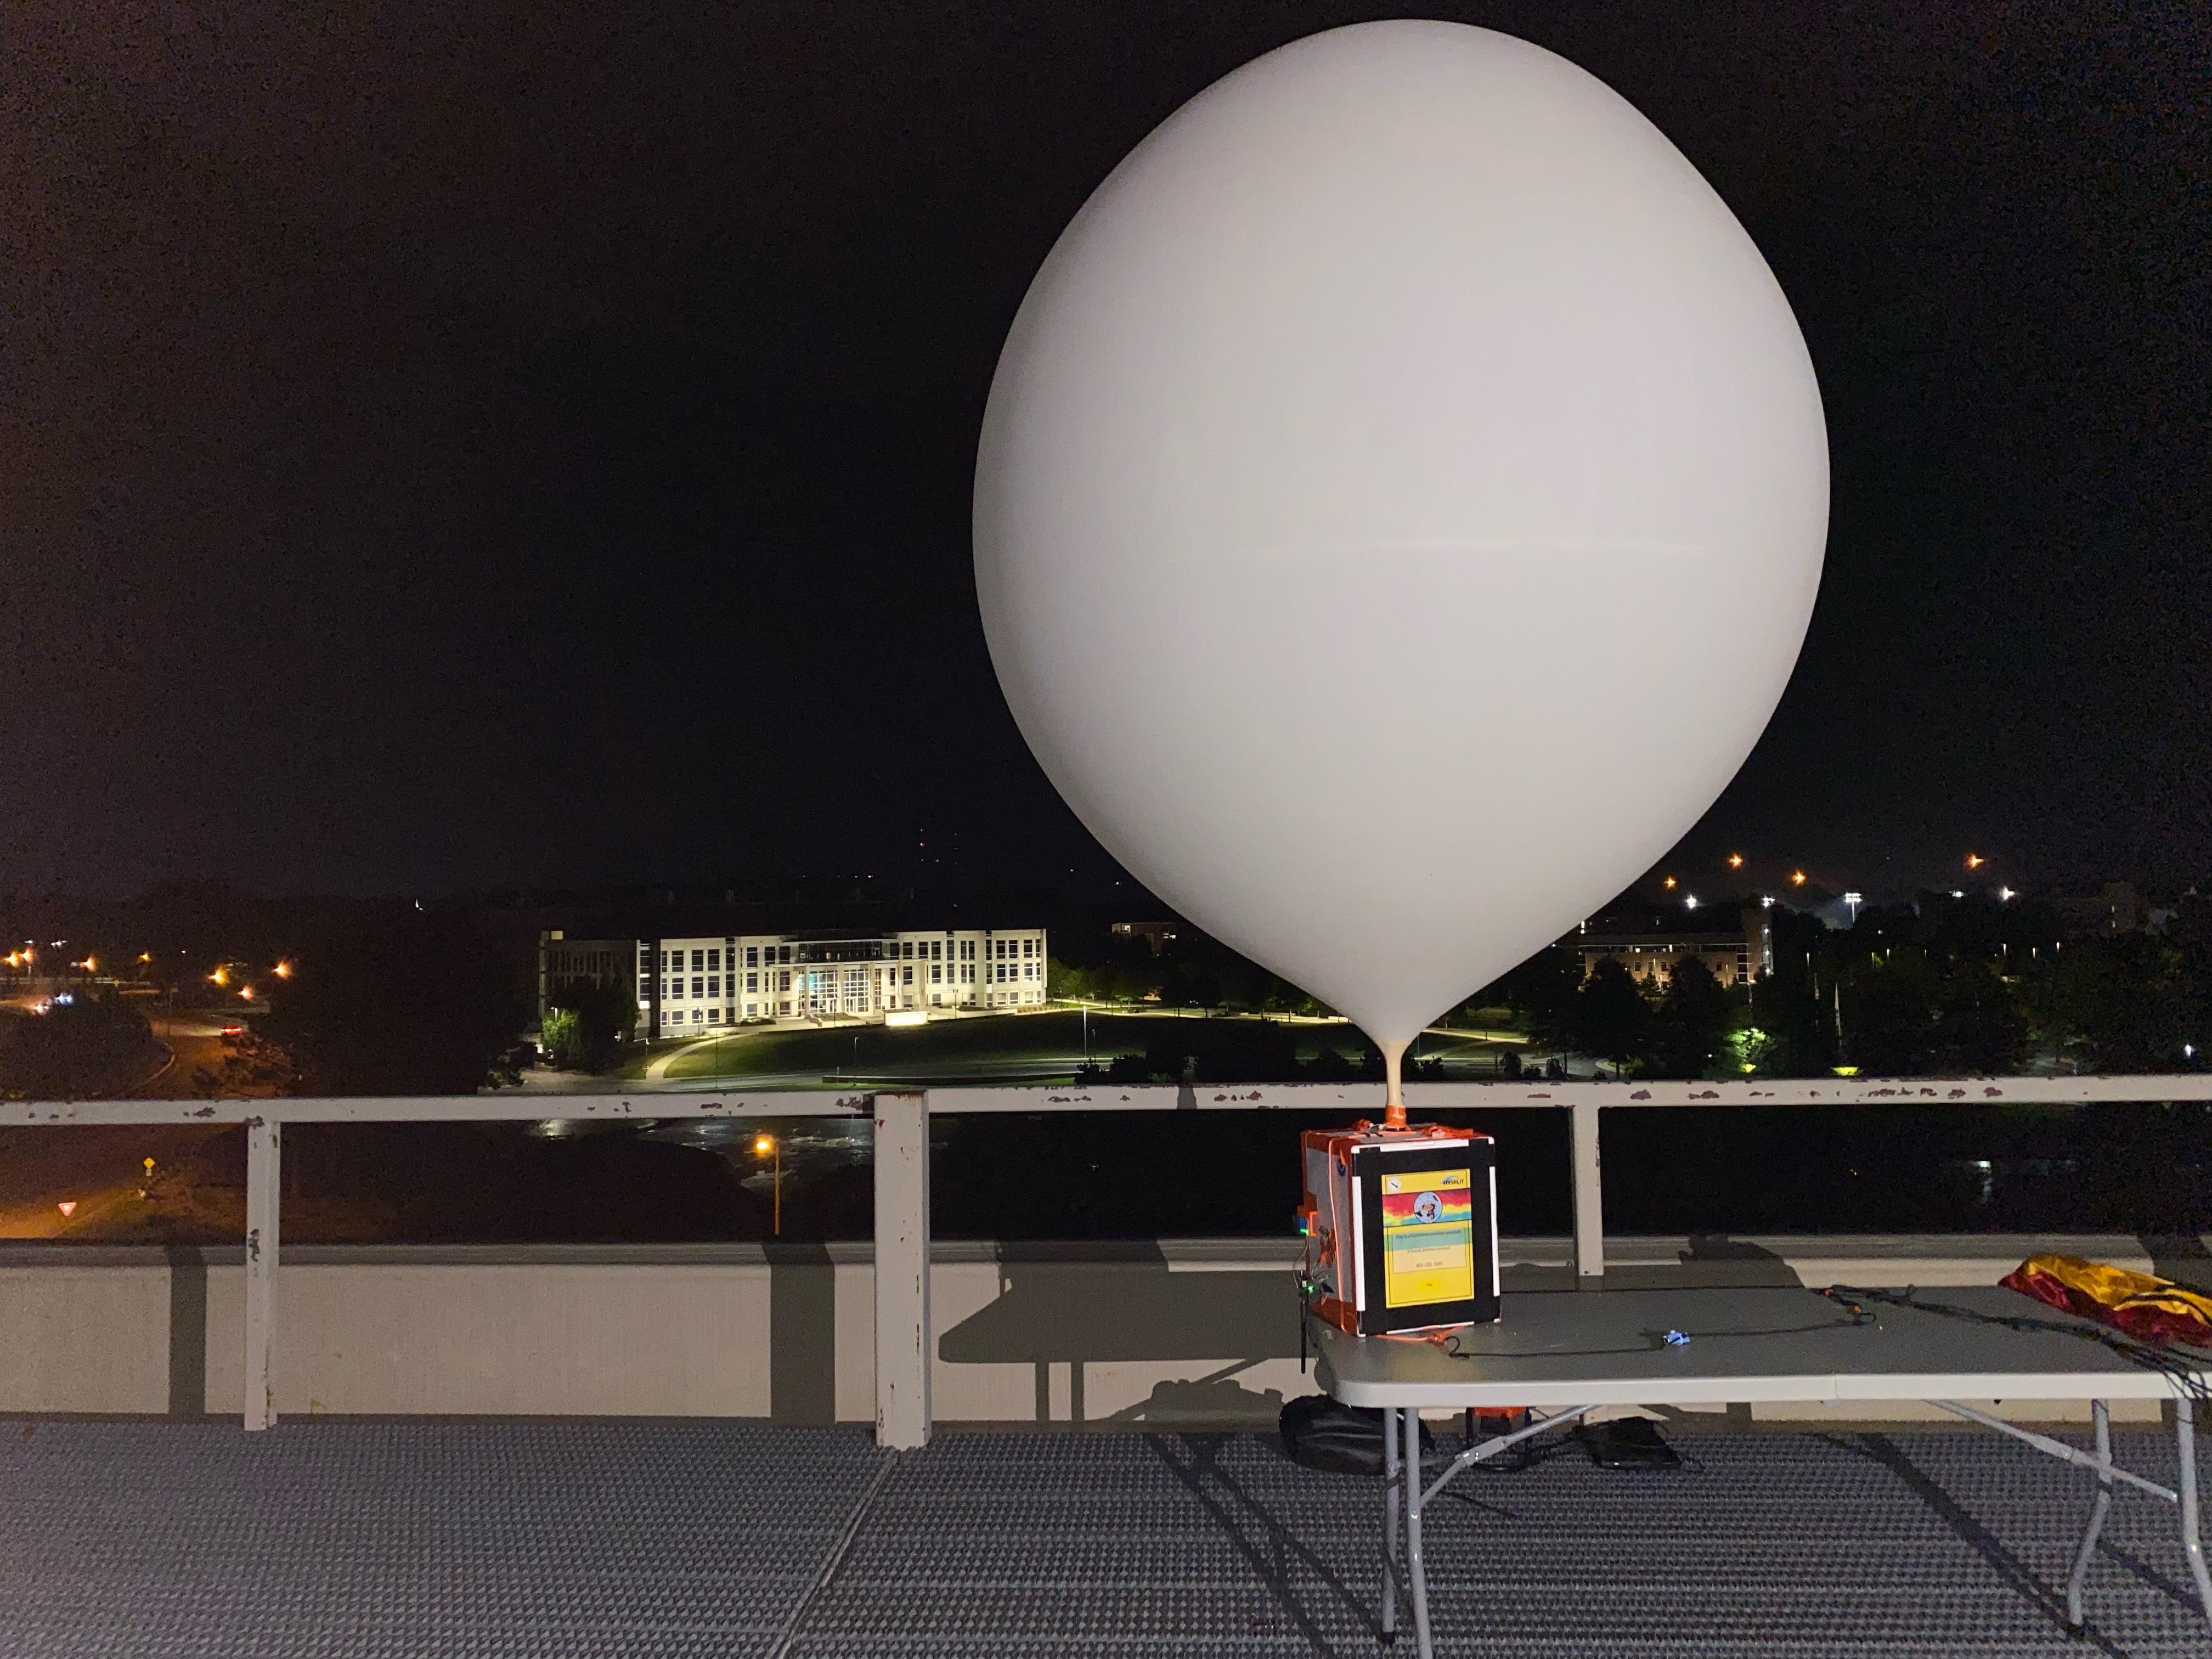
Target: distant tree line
column 82, row 1050
column 406, row 1001
column 1191, row 971
column 1947, row 987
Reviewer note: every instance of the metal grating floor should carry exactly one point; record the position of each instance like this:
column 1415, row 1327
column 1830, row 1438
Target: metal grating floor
column 333, row 1540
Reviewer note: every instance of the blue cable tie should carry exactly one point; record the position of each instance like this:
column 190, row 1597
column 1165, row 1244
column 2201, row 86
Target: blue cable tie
column 1678, row 1340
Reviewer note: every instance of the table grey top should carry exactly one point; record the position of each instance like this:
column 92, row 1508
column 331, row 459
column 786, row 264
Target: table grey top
column 1608, row 1347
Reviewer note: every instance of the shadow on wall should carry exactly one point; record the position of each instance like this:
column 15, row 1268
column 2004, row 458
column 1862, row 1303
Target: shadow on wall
column 802, row 1336
column 1134, row 1311
column 1051, row 1310
column 1061, row 1312
column 188, row 1321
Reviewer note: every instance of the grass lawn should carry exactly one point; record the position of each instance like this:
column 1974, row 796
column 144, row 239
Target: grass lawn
column 992, row 1045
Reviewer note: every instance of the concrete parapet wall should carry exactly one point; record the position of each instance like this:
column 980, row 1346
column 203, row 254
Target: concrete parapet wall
column 1178, row 1332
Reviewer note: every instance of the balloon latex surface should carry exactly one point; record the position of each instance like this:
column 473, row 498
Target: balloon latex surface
column 1400, row 504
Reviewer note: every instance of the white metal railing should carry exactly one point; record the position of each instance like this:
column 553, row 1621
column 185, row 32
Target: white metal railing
column 902, row 1160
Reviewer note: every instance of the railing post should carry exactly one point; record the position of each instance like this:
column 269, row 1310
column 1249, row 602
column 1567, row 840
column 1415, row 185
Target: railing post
column 264, row 1188
column 1589, row 1202
column 902, row 1272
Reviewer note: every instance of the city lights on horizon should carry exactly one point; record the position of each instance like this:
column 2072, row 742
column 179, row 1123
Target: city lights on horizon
column 1799, row 877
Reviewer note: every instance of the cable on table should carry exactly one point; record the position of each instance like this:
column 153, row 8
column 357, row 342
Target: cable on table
column 2177, row 1363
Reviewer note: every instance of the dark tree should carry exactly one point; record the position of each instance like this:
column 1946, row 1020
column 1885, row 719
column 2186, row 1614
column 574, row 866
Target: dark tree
column 587, row 1022
column 1613, row 1019
column 1543, row 994
column 1694, row 1016
column 76, row 1051
column 411, row 1002
column 1793, row 1008
column 2137, row 1003
column 1979, row 1027
column 1890, row 1015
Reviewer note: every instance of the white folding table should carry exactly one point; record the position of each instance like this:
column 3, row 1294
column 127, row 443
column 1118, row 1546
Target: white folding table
column 1568, row 1352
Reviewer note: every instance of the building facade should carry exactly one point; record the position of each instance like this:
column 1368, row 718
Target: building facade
column 700, row 985
column 562, row 961
column 1737, row 950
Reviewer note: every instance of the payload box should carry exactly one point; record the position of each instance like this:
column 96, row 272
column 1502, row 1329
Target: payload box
column 1401, row 1227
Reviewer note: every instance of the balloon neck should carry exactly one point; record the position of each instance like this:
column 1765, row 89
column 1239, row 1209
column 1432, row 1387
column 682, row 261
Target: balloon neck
column 1393, row 1097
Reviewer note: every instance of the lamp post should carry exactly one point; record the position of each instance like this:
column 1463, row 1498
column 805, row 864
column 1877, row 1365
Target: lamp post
column 767, row 1145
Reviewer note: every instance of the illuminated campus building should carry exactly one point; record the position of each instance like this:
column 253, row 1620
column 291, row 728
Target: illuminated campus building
column 1736, row 945
column 698, row 984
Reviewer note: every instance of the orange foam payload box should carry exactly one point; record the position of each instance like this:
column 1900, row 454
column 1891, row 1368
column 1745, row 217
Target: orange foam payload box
column 1401, row 1227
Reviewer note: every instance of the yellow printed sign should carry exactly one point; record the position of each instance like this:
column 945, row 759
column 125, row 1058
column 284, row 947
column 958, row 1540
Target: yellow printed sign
column 1428, row 1237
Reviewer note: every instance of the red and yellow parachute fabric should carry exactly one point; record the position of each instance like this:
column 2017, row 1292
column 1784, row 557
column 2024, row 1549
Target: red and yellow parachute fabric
column 2145, row 1306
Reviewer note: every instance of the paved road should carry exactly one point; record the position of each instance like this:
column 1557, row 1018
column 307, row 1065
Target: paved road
column 101, row 1170
column 195, row 1043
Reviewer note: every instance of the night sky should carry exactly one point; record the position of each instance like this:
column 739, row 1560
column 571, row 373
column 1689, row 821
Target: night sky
column 430, row 438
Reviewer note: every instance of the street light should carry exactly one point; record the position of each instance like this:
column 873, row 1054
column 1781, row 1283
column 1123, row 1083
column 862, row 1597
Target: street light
column 1796, row 877
column 1975, row 860
column 764, row 1146
column 1735, row 861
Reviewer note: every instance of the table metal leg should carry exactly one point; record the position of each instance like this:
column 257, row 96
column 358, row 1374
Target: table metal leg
column 2102, row 1413
column 1416, row 1575
column 1389, row 1524
column 2185, row 1431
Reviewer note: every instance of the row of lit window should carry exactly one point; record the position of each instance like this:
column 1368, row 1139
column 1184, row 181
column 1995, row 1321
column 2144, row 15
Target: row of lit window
column 714, row 1016
column 784, row 1006
column 710, row 985
column 709, row 959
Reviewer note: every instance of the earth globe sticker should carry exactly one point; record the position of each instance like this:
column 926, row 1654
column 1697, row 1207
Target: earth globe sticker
column 1399, row 507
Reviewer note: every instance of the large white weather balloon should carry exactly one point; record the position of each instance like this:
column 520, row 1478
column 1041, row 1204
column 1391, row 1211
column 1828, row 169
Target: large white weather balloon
column 1400, row 505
